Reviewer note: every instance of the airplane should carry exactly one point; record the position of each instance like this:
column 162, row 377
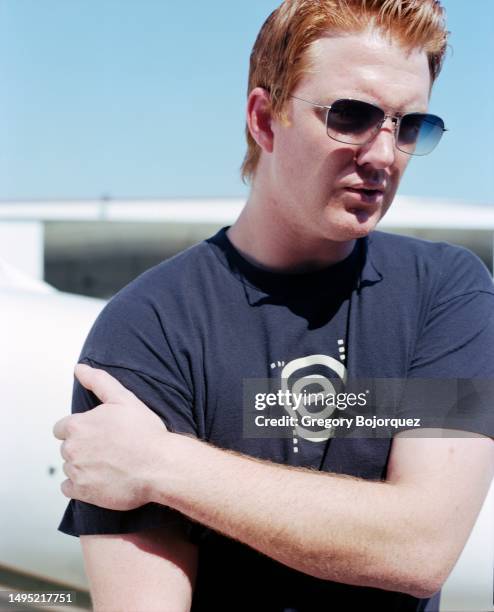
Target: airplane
column 42, row 331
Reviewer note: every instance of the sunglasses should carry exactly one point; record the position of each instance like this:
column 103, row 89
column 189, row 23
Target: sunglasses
column 355, row 122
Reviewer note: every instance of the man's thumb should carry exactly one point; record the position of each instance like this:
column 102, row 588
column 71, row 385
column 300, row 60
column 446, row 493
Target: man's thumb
column 103, row 385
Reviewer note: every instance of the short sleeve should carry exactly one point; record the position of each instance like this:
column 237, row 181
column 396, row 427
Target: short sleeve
column 451, row 374
column 128, row 340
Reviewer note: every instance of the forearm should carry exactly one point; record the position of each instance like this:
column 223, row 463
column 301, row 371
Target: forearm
column 333, row 527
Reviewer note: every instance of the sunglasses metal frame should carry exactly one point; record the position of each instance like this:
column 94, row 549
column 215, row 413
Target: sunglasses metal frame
column 396, row 119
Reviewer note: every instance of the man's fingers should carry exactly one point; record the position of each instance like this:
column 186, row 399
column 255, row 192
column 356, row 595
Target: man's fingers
column 60, row 430
column 67, row 488
column 65, row 452
column 102, row 384
column 69, row 471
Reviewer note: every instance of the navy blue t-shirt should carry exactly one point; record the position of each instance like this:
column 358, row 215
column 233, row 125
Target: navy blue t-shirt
column 192, row 335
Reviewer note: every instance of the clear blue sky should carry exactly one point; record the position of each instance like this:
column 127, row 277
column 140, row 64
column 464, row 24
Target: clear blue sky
column 145, row 98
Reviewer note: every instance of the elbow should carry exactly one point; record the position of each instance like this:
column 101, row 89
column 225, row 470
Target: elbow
column 416, row 583
column 426, row 576
column 413, row 575
column 419, row 571
column 424, row 587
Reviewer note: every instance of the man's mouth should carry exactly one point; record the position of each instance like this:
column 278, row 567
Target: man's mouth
column 366, row 195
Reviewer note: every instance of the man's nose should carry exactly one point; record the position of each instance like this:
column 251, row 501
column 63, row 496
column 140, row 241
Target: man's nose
column 380, row 151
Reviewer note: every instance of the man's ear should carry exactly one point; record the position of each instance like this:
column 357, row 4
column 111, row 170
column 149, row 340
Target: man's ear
column 259, row 117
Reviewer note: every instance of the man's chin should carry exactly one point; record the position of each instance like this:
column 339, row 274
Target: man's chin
column 351, row 223
column 361, row 222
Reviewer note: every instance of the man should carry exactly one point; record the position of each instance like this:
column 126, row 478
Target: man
column 210, row 512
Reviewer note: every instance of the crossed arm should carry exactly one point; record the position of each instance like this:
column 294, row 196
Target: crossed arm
column 403, row 534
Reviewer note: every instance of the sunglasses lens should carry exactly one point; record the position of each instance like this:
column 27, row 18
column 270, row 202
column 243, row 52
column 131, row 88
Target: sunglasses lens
column 352, row 121
column 419, row 133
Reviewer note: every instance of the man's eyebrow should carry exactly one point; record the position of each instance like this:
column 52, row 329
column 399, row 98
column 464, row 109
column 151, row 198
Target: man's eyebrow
column 402, row 109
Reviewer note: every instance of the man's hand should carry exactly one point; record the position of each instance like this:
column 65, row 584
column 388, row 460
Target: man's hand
column 110, row 451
